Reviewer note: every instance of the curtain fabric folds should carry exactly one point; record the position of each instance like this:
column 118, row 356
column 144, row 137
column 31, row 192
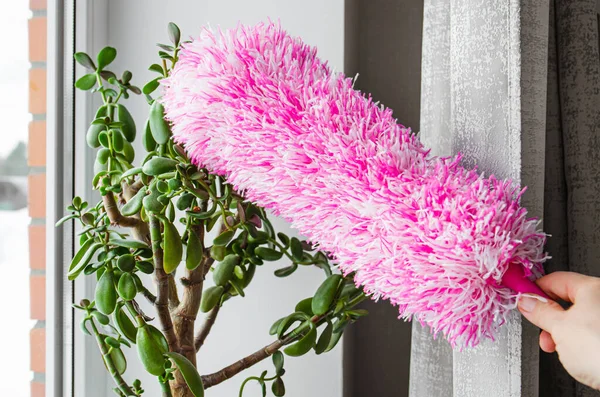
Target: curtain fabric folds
column 515, row 86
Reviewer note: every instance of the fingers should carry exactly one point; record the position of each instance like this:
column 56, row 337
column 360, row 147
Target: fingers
column 547, row 343
column 563, row 285
column 541, row 312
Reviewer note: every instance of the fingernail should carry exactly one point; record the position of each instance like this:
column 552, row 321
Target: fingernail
column 527, row 302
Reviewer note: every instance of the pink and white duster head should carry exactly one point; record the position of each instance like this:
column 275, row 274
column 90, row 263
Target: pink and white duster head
column 258, row 106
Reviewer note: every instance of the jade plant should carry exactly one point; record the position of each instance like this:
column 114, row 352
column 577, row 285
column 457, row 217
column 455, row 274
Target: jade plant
column 163, row 216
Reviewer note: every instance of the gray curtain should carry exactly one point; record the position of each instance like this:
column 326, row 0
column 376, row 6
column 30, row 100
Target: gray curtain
column 572, row 181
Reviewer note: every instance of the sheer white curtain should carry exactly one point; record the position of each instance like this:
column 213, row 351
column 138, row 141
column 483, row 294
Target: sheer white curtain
column 483, row 94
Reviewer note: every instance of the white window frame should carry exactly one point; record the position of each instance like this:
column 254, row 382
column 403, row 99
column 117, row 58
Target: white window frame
column 72, row 26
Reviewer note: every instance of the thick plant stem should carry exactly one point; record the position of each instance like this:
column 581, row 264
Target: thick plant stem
column 162, row 286
column 211, row 317
column 185, row 314
column 121, row 384
column 184, row 317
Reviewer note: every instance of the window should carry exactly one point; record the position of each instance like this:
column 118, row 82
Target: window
column 22, row 167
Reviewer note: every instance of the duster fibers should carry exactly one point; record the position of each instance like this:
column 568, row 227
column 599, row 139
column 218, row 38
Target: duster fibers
column 258, row 106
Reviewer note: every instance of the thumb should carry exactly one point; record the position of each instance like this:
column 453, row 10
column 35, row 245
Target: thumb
column 540, row 311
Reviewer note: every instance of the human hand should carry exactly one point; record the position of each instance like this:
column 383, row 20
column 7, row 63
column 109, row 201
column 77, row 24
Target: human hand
column 573, row 333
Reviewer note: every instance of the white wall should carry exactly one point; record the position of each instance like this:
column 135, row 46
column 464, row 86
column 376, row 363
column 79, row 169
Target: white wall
column 134, row 26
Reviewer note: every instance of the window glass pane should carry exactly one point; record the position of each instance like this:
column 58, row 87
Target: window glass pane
column 15, row 221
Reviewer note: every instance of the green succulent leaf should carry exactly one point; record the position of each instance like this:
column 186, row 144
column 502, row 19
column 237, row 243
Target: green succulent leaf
column 156, row 68
column 286, row 271
column 82, row 258
column 224, row 270
column 217, row 252
column 278, row 362
column 110, row 77
column 86, row 82
column 102, row 318
column 224, row 237
column 211, row 297
column 124, row 324
column 185, row 201
column 151, row 86
column 159, row 165
column 126, row 287
column 106, row 56
column 132, row 244
column 147, row 139
column 145, row 267
column 305, row 306
column 287, row 322
column 304, row 345
column 268, row 254
column 325, row 294
column 284, row 239
column 174, row 33
column 84, row 60
column 92, row 134
column 324, row 339
column 173, row 247
column 194, row 251
column 128, row 128
column 335, row 338
column 158, row 125
column 275, row 326
column 296, row 248
column 134, row 205
column 278, row 387
column 116, row 355
column 131, row 172
column 152, row 346
column 106, row 293
column 189, row 372
column 65, row 219
column 237, row 287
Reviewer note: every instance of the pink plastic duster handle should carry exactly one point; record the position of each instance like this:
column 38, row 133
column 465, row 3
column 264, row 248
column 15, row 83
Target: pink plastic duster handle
column 515, row 279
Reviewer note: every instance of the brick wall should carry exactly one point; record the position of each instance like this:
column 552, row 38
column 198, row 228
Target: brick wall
column 37, row 192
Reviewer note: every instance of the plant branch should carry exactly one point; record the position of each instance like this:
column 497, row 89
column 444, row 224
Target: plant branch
column 162, row 286
column 150, row 297
column 211, row 317
column 246, row 362
column 166, row 390
column 173, row 295
column 139, row 228
column 121, row 384
column 256, row 357
column 114, row 215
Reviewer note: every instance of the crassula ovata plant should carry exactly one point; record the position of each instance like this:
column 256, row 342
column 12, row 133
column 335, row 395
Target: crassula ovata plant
column 155, row 216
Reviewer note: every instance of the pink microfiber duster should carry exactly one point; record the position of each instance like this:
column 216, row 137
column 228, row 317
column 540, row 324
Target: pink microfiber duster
column 450, row 248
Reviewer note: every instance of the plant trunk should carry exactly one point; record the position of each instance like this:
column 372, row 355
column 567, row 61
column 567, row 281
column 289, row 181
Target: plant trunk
column 184, row 318
column 180, row 388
